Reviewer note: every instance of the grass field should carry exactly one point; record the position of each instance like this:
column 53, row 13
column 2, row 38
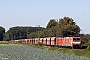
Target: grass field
column 11, row 45
column 25, row 52
column 78, row 52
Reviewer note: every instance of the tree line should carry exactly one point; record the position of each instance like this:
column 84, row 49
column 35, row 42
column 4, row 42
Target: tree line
column 55, row 28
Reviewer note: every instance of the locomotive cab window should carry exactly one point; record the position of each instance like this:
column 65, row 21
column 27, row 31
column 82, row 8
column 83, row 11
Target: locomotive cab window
column 76, row 38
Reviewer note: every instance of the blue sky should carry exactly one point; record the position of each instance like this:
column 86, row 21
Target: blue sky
column 39, row 12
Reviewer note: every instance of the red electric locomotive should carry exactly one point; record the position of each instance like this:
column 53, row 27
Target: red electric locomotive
column 69, row 42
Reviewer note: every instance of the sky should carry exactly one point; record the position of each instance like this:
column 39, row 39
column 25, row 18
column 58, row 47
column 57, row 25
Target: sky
column 39, row 12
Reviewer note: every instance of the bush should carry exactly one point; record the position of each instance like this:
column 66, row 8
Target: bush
column 88, row 47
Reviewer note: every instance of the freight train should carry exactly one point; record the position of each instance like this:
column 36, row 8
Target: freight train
column 52, row 41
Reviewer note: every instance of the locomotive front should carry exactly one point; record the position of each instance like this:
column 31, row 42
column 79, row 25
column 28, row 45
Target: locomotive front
column 76, row 42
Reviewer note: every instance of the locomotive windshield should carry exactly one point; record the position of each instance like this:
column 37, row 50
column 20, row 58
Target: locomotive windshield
column 76, row 38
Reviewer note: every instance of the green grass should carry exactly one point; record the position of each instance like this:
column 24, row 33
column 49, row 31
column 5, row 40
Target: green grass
column 31, row 53
column 78, row 52
column 11, row 45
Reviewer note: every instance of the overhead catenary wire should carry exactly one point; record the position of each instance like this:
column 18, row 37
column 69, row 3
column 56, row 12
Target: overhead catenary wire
column 82, row 15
